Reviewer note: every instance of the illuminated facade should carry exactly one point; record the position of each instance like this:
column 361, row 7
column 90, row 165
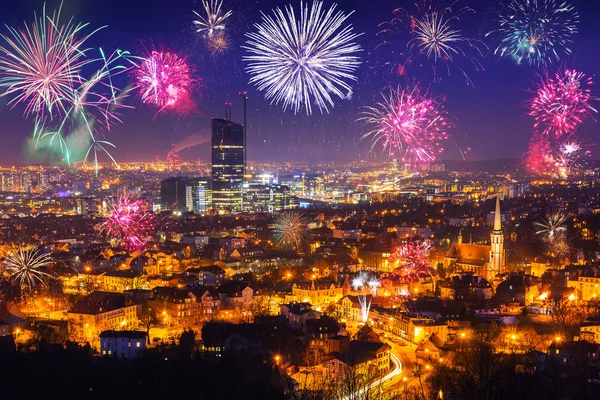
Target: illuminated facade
column 228, row 165
column 587, row 287
column 183, row 194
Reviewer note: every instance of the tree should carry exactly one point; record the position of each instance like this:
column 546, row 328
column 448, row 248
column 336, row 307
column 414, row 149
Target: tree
column 148, row 318
column 562, row 313
column 187, row 343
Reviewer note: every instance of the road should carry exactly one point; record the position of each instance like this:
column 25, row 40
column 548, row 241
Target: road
column 396, row 371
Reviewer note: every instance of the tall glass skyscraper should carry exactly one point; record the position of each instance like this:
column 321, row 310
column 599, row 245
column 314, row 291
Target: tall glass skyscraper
column 227, row 165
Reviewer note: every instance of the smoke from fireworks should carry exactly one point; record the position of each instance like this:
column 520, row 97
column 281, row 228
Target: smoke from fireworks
column 25, row 267
column 433, row 38
column 214, row 20
column 410, row 125
column 290, row 230
column 163, row 79
column 562, row 103
column 43, row 66
column 413, row 259
column 537, row 32
column 301, row 60
column 127, row 222
column 553, row 226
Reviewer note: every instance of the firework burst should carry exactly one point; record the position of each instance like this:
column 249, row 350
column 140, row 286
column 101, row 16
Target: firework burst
column 128, row 222
column 25, row 267
column 44, row 67
column 214, row 21
column 560, row 249
column 410, row 125
column 42, row 63
column 557, row 158
column 562, row 103
column 163, row 79
column 537, row 32
column 218, row 44
column 361, row 283
column 430, row 29
column 303, row 60
column 553, row 227
column 290, row 230
column 413, row 259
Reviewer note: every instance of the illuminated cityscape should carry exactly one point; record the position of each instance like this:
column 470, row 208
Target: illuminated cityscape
column 300, row 201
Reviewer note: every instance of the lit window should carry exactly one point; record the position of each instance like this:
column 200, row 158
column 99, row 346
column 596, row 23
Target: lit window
column 137, row 344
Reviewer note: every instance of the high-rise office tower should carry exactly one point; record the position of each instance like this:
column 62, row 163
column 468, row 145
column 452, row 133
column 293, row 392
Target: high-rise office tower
column 186, row 194
column 228, row 165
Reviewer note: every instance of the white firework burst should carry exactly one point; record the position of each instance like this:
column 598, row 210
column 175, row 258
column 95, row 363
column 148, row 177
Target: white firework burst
column 23, row 267
column 303, row 60
column 436, row 38
column 361, row 283
column 553, row 225
column 214, row 19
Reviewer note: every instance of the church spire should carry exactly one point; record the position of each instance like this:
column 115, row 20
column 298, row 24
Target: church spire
column 498, row 215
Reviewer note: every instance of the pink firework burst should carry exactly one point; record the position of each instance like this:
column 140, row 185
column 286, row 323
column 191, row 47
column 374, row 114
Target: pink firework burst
column 409, row 124
column 562, row 103
column 128, row 221
column 413, row 259
column 164, row 80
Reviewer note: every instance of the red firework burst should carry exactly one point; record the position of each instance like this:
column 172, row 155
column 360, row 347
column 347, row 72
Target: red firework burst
column 413, row 259
column 164, row 80
column 557, row 158
column 562, row 103
column 128, row 222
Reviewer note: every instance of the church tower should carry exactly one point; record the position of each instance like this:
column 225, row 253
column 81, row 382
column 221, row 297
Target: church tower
column 496, row 265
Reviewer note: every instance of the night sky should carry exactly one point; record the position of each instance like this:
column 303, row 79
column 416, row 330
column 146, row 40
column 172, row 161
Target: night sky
column 490, row 118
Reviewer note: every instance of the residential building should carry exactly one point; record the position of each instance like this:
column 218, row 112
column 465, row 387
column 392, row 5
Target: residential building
column 586, row 286
column 102, row 311
column 319, row 293
column 122, row 280
column 462, row 286
column 123, row 344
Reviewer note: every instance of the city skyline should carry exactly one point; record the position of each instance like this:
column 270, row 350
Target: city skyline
column 493, row 109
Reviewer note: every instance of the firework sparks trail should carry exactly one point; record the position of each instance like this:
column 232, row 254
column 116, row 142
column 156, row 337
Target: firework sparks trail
column 163, row 79
column 25, row 267
column 128, row 222
column 214, row 21
column 562, row 103
column 305, row 59
column 410, row 125
column 537, row 32
column 413, row 259
column 290, row 230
